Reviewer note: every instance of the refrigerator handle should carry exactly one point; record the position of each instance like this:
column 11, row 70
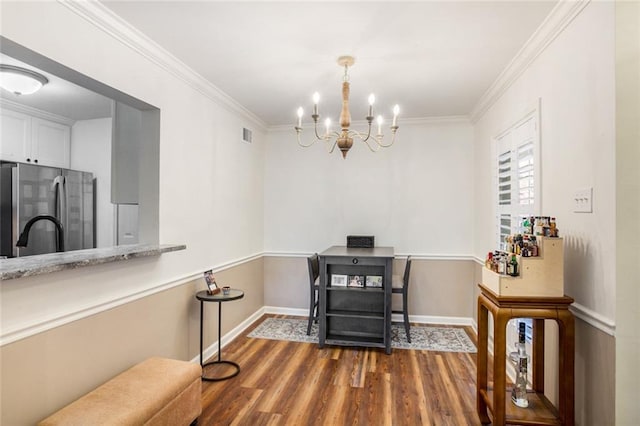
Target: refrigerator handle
column 64, row 214
column 56, row 186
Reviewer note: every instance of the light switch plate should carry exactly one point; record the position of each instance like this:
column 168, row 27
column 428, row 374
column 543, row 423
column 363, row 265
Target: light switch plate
column 583, row 200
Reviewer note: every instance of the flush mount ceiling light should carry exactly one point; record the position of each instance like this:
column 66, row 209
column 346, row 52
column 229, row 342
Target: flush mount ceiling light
column 344, row 138
column 21, row 81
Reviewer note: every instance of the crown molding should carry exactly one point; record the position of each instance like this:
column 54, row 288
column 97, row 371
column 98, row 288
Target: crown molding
column 112, row 24
column 35, row 112
column 447, row 119
column 554, row 24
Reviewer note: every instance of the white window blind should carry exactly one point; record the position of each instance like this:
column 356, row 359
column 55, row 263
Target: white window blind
column 517, row 176
column 525, row 175
column 504, row 178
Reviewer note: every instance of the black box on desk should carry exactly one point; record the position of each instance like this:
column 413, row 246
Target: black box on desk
column 360, row 241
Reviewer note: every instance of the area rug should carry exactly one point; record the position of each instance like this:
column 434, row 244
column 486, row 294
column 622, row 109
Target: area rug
column 443, row 339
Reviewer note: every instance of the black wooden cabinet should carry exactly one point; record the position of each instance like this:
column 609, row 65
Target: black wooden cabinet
column 355, row 316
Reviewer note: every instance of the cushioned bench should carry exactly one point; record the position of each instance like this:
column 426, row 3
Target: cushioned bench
column 158, row 391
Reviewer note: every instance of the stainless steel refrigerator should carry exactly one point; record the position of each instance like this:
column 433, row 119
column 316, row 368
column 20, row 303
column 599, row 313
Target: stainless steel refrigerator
column 27, row 191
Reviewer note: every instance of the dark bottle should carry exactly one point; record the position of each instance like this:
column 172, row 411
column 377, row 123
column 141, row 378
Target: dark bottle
column 513, row 266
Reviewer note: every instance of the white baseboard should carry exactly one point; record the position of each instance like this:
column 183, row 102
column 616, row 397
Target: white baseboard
column 419, row 319
column 428, row 319
column 227, row 338
column 276, row 310
column 212, row 350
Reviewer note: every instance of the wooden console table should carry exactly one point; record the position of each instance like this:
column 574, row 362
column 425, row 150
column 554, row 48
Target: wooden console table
column 356, row 316
column 497, row 400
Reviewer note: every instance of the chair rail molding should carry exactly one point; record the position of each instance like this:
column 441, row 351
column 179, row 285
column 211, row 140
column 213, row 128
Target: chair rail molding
column 30, row 325
column 419, row 256
column 594, row 319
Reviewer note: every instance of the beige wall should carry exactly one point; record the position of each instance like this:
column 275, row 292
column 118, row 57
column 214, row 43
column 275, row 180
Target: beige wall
column 438, row 288
column 42, row 373
column 477, row 279
column 595, row 377
column 286, row 282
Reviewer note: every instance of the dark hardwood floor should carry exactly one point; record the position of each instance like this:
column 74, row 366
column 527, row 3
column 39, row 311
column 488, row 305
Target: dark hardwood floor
column 288, row 383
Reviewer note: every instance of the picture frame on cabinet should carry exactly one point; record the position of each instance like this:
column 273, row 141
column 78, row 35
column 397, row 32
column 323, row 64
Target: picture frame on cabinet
column 374, row 281
column 356, row 281
column 338, row 280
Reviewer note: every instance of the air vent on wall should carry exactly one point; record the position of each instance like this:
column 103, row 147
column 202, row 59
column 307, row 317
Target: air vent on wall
column 246, row 135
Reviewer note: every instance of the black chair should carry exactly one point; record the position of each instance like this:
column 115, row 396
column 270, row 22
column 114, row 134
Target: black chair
column 314, row 286
column 400, row 285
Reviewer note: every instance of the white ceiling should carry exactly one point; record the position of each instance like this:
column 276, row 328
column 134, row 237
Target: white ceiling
column 433, row 58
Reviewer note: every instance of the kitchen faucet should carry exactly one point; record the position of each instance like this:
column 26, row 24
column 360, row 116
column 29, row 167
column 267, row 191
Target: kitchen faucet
column 24, row 237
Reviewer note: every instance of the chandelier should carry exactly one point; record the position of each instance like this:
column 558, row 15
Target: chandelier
column 344, row 138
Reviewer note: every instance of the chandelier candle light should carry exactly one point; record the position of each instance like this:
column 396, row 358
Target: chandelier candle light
column 344, row 138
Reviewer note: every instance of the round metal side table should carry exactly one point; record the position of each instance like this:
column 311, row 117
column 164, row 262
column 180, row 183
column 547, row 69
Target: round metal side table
column 204, row 296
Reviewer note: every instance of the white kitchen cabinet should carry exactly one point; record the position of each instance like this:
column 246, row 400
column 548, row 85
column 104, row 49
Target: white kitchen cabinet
column 15, row 136
column 50, row 143
column 33, row 140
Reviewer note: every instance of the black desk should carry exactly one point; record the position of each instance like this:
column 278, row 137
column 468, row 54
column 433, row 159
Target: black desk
column 356, row 316
column 203, row 296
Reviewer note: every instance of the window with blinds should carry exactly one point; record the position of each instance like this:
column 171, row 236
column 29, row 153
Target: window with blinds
column 516, row 176
column 505, row 179
column 517, row 183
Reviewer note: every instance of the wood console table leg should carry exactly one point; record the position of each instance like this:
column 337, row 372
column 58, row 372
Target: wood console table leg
column 482, row 360
column 540, row 309
column 500, row 320
column 566, row 363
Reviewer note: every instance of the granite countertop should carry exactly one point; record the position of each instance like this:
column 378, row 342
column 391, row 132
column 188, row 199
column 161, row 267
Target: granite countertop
column 45, row 263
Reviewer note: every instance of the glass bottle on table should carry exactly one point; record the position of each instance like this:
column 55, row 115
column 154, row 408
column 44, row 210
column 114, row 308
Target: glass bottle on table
column 521, row 360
